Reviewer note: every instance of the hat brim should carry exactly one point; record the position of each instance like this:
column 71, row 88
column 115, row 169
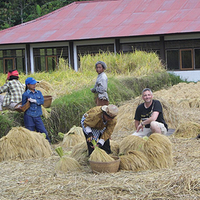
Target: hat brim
column 104, row 108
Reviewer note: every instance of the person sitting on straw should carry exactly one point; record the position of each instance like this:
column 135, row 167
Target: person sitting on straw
column 32, row 116
column 149, row 116
column 14, row 90
column 100, row 87
column 98, row 124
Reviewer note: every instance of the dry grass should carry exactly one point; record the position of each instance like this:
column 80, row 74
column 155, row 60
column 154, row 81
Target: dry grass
column 38, row 179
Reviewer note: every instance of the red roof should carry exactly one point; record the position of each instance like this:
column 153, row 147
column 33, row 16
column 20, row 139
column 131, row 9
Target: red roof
column 107, row 19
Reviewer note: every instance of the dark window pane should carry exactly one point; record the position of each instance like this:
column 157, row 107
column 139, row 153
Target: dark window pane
column 18, row 52
column 1, row 66
column 42, row 52
column 186, row 57
column 197, row 58
column 1, row 54
column 172, row 59
column 51, row 63
column 49, row 52
column 20, row 64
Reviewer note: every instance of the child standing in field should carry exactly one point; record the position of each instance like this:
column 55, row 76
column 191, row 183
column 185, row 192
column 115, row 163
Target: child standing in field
column 100, row 87
column 32, row 116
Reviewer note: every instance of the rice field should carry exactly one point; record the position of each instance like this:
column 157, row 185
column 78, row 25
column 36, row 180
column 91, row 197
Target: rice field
column 38, row 178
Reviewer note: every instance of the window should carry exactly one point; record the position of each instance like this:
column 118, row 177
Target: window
column 46, row 59
column 186, row 59
column 197, row 58
column 173, row 59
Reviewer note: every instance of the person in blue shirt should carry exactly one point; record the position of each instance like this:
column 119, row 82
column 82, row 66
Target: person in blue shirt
column 32, row 116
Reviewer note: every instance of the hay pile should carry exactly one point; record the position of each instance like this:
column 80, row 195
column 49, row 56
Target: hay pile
column 131, row 142
column 74, row 136
column 158, row 150
column 44, row 87
column 187, row 130
column 134, row 161
column 20, row 143
column 80, row 152
column 99, row 155
column 66, row 163
column 114, row 147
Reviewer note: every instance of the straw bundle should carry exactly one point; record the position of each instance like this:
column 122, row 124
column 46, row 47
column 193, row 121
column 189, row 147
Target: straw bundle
column 135, row 161
column 131, row 142
column 45, row 113
column 80, row 152
column 114, row 146
column 158, row 150
column 66, row 163
column 99, row 155
column 20, row 143
column 187, row 130
column 73, row 136
column 45, row 86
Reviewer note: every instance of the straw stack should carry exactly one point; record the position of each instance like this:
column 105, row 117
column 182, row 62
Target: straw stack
column 74, row 136
column 135, row 161
column 114, row 146
column 99, row 155
column 129, row 143
column 187, row 129
column 20, row 143
column 158, row 150
column 66, row 163
column 80, row 152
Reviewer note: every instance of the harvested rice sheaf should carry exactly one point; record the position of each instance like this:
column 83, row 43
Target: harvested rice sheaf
column 66, row 163
column 158, row 150
column 114, row 146
column 99, row 155
column 20, row 143
column 73, row 136
column 80, row 152
column 131, row 142
column 187, row 130
column 135, row 161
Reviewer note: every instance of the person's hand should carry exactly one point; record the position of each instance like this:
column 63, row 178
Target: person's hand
column 99, row 145
column 93, row 90
column 32, row 100
column 140, row 126
column 90, row 137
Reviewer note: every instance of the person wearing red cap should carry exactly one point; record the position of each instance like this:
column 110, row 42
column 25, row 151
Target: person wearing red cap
column 13, row 89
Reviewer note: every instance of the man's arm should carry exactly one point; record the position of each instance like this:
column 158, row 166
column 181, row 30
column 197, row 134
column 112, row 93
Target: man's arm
column 153, row 117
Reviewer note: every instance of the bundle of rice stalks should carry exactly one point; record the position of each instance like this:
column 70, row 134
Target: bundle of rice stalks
column 20, row 143
column 45, row 113
column 73, row 136
column 45, row 86
column 131, row 142
column 114, row 146
column 187, row 130
column 158, row 150
column 80, row 152
column 135, row 161
column 99, row 155
column 66, row 163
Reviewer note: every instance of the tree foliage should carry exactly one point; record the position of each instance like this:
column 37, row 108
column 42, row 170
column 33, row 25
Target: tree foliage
column 14, row 12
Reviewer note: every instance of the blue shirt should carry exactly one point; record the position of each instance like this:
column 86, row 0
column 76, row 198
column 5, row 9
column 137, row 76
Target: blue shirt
column 35, row 109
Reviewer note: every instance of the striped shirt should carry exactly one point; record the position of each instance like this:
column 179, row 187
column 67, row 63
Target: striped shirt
column 14, row 90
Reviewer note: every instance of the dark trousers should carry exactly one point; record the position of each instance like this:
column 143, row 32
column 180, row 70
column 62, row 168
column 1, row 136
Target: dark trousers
column 105, row 147
column 35, row 123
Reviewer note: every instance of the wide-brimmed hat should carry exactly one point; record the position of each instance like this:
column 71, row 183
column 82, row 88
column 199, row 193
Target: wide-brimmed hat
column 31, row 81
column 102, row 63
column 111, row 110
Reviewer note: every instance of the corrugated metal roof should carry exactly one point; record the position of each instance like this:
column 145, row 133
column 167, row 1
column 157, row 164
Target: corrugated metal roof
column 107, row 19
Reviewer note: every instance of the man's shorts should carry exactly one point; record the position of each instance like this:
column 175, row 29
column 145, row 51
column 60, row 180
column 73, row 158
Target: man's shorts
column 147, row 131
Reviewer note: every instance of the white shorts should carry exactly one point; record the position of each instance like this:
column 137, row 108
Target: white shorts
column 148, row 132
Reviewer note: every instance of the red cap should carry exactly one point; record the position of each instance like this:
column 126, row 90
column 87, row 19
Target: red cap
column 13, row 73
